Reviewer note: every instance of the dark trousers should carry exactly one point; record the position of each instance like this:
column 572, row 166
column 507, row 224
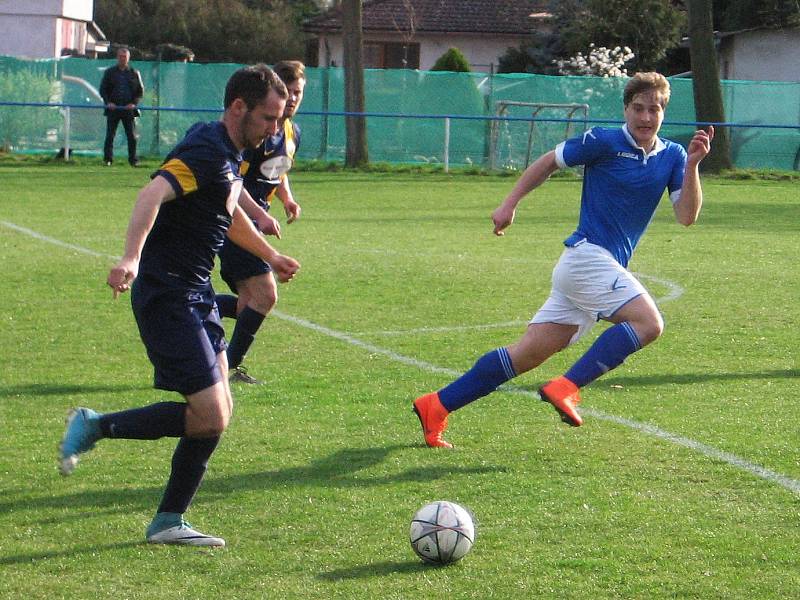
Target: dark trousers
column 112, row 120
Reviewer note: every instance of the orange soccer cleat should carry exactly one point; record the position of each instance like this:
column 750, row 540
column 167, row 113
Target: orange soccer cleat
column 564, row 396
column 433, row 418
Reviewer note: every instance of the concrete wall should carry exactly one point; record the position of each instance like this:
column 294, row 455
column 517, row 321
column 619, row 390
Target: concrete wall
column 80, row 10
column 37, row 28
column 29, row 36
column 761, row 55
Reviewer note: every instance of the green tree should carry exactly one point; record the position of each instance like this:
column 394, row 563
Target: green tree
column 452, row 60
column 243, row 31
column 649, row 27
column 537, row 56
column 732, row 15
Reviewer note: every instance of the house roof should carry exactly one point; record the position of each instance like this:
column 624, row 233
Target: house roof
column 441, row 16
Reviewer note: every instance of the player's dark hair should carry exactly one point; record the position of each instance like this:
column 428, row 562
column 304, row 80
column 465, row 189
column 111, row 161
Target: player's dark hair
column 646, row 82
column 252, row 84
column 290, row 70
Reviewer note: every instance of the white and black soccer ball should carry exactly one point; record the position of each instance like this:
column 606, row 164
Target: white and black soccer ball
column 442, row 532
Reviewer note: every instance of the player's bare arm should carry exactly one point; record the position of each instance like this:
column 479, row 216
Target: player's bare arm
column 687, row 208
column 148, row 203
column 534, row 176
column 266, row 223
column 290, row 206
column 244, row 234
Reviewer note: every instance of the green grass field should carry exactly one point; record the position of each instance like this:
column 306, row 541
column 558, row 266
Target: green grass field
column 683, row 482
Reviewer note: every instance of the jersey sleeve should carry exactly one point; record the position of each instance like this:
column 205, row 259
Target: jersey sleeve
column 296, row 136
column 193, row 169
column 676, row 176
column 582, row 149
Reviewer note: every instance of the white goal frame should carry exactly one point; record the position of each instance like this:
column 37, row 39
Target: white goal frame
column 501, row 110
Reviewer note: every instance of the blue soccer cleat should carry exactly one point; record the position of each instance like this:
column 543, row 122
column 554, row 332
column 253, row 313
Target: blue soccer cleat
column 80, row 435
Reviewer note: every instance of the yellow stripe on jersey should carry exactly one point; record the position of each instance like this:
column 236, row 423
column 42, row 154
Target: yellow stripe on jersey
column 244, row 168
column 182, row 173
column 288, row 133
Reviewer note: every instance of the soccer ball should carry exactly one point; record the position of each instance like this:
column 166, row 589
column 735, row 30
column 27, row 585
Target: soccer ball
column 442, row 532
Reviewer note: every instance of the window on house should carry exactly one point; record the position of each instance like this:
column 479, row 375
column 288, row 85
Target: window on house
column 391, row 55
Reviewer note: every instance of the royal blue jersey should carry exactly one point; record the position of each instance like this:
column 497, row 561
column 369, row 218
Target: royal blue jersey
column 189, row 230
column 265, row 167
column 622, row 186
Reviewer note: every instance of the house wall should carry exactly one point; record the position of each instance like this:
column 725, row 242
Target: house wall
column 761, row 55
column 41, row 28
column 480, row 52
column 29, row 36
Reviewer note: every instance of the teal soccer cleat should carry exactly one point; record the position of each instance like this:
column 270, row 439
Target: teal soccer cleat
column 80, row 435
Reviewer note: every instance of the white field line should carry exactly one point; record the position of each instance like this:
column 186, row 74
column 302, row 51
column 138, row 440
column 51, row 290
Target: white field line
column 793, row 485
column 674, row 291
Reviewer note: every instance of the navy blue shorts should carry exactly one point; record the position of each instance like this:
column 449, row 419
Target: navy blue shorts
column 236, row 264
column 182, row 333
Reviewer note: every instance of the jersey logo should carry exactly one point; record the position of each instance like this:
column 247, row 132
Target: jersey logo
column 589, row 134
column 615, row 287
column 275, row 168
column 628, row 155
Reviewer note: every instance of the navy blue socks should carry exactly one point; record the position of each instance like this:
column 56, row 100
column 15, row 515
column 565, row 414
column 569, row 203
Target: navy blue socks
column 489, row 372
column 163, row 419
column 189, row 463
column 609, row 351
column 247, row 324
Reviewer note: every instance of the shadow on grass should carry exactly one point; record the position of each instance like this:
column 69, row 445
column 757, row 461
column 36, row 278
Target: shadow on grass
column 687, row 378
column 49, row 389
column 682, row 378
column 381, row 569
column 32, row 557
column 338, row 470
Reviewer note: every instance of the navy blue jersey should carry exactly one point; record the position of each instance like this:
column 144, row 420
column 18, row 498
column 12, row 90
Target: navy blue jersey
column 188, row 232
column 622, row 186
column 265, row 167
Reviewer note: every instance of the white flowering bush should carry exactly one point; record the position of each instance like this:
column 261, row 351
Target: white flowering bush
column 599, row 61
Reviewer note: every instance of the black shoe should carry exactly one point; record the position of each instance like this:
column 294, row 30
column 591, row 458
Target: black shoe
column 239, row 375
column 134, row 163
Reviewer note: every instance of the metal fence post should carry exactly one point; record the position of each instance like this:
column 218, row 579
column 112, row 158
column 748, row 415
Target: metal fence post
column 447, row 144
column 67, row 118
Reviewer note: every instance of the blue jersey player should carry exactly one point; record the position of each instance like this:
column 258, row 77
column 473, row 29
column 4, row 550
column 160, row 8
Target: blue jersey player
column 178, row 224
column 626, row 173
column 265, row 170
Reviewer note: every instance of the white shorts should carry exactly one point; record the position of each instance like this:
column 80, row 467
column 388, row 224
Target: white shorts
column 588, row 285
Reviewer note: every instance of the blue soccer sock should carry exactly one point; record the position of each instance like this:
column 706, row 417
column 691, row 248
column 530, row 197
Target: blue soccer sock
column 247, row 324
column 226, row 304
column 489, row 372
column 163, row 419
column 608, row 352
column 189, row 463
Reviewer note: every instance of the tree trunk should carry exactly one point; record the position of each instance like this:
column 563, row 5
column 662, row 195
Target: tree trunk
column 356, row 127
column 708, row 104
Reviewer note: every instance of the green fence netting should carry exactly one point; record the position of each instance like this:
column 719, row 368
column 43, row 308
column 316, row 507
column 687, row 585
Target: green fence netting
column 178, row 94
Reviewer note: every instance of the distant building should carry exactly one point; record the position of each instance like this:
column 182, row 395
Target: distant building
column 760, row 54
column 412, row 34
column 49, row 28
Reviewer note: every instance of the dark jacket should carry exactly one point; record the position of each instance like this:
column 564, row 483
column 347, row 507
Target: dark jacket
column 110, row 92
